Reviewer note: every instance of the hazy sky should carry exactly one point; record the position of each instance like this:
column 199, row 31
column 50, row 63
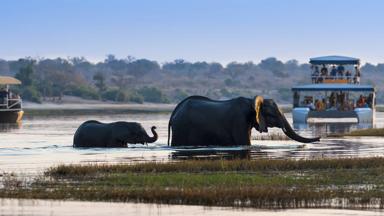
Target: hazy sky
column 195, row 30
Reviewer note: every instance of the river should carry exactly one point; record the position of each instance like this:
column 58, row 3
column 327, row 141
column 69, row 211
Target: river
column 43, row 141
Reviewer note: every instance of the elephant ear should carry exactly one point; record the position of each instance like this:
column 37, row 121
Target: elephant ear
column 259, row 117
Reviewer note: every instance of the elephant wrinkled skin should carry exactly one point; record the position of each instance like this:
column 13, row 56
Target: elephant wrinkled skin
column 200, row 121
column 111, row 135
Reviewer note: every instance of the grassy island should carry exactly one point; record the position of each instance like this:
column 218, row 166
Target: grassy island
column 331, row 183
column 362, row 132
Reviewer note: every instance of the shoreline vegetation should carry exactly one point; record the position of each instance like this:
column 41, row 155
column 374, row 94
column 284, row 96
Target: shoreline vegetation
column 77, row 103
column 81, row 109
column 145, row 80
column 349, row 183
column 74, row 105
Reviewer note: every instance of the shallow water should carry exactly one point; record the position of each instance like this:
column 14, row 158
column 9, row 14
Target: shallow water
column 73, row 208
column 43, row 141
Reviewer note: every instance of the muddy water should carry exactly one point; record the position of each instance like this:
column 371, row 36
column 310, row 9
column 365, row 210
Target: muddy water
column 43, row 141
column 72, row 208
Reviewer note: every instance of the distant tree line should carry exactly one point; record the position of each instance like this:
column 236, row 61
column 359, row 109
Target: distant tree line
column 142, row 80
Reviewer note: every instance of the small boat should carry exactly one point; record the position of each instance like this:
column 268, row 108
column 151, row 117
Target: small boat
column 335, row 94
column 10, row 103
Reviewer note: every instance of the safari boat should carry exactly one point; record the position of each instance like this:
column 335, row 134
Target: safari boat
column 335, row 94
column 10, row 103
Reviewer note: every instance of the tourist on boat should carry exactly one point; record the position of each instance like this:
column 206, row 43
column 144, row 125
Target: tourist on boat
column 348, row 75
column 357, row 70
column 3, row 96
column 357, row 76
column 340, row 71
column 332, row 100
column 324, row 71
column 361, row 102
column 315, row 75
column 356, row 79
column 317, row 105
column 339, row 101
column 311, row 106
column 325, row 106
column 333, row 72
column 320, row 105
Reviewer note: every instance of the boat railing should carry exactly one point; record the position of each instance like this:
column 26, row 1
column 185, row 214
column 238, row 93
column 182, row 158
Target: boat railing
column 335, row 79
column 10, row 104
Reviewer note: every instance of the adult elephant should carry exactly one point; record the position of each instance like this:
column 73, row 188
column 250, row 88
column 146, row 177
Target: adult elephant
column 111, row 135
column 200, row 121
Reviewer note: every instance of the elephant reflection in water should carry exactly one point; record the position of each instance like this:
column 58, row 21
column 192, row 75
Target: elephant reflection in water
column 200, row 121
column 212, row 154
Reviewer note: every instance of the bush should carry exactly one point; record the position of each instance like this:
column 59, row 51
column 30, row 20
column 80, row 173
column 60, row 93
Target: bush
column 85, row 92
column 152, row 94
column 180, row 95
column 231, row 82
column 133, row 96
column 114, row 95
column 30, row 93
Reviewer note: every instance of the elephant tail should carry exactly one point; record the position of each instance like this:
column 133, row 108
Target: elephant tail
column 169, row 131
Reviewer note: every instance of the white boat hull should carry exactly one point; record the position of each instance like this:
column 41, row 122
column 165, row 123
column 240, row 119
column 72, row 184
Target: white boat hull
column 358, row 115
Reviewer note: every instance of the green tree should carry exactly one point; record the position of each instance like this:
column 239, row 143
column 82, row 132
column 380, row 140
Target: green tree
column 152, row 94
column 114, row 94
column 28, row 89
column 180, row 95
column 25, row 75
column 100, row 82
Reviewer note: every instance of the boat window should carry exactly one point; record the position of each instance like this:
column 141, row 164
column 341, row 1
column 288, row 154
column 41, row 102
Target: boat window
column 335, row 100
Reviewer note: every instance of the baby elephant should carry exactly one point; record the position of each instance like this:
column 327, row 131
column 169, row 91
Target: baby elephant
column 113, row 135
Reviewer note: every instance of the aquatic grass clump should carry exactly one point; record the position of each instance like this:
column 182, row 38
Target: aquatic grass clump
column 271, row 136
column 329, row 183
column 10, row 181
column 218, row 166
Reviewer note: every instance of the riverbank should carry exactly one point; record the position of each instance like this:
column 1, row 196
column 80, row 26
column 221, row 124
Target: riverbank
column 76, row 106
column 75, row 103
column 263, row 183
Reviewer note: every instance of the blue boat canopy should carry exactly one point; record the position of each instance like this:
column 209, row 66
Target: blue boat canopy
column 333, row 87
column 334, row 60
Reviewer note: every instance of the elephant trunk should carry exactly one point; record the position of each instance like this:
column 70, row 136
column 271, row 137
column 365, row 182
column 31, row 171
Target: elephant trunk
column 287, row 129
column 154, row 137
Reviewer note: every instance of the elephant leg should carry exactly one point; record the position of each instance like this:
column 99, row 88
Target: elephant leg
column 197, row 138
column 241, row 136
column 179, row 137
